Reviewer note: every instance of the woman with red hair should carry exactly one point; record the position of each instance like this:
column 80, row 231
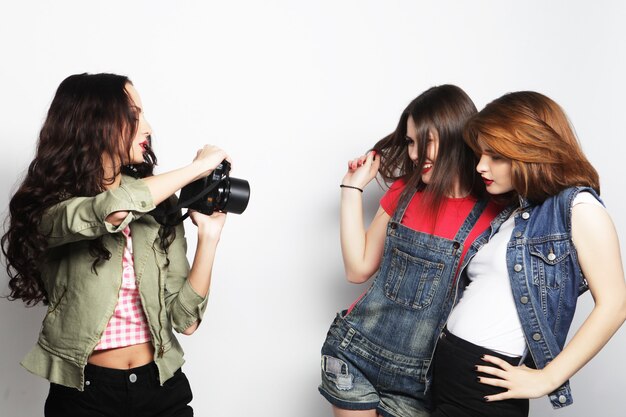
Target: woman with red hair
column 505, row 339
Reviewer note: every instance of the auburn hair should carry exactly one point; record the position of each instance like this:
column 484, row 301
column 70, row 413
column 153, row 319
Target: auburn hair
column 533, row 132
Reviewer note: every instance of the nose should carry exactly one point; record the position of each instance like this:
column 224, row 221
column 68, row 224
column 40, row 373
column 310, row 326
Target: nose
column 413, row 153
column 144, row 126
column 481, row 167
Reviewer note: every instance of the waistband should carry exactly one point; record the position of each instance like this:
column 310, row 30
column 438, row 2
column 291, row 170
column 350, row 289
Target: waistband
column 475, row 349
column 143, row 375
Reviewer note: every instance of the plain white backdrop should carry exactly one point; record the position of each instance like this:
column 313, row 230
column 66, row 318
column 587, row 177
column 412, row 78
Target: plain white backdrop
column 292, row 90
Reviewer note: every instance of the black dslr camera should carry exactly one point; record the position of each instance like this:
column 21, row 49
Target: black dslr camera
column 216, row 192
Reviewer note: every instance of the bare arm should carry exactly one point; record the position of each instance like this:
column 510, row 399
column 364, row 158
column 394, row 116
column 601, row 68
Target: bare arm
column 361, row 249
column 598, row 250
column 209, row 231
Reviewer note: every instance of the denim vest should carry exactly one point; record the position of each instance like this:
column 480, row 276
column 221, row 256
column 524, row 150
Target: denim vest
column 545, row 276
column 403, row 311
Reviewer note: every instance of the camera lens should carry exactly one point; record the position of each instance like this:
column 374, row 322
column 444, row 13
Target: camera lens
column 235, row 196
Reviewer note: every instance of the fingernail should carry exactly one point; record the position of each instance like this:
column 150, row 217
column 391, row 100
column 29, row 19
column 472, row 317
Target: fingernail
column 476, row 367
column 477, row 379
column 485, row 399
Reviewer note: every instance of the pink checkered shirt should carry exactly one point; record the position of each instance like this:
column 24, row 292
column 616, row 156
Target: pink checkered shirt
column 128, row 325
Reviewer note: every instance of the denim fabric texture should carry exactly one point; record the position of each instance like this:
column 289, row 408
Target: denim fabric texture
column 377, row 356
column 545, row 275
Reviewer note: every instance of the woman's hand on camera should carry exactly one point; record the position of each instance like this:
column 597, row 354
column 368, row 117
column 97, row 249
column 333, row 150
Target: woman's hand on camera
column 208, row 158
column 362, row 170
column 209, row 226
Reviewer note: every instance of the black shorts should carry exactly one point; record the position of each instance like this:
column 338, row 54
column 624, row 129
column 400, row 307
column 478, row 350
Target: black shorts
column 130, row 393
column 457, row 393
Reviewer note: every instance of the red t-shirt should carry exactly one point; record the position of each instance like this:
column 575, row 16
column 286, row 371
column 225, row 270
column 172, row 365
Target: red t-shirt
column 452, row 214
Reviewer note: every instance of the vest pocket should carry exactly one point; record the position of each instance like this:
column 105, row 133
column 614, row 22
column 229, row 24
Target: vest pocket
column 547, row 258
column 412, row 282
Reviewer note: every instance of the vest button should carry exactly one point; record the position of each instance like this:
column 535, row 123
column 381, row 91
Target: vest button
column 518, row 234
column 517, row 267
column 562, row 399
column 132, row 378
column 524, row 299
column 551, row 256
column 525, row 215
column 536, row 337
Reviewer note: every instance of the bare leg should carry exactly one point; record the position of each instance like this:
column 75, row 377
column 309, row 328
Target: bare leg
column 340, row 412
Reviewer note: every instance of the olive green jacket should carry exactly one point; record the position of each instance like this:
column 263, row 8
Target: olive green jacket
column 82, row 301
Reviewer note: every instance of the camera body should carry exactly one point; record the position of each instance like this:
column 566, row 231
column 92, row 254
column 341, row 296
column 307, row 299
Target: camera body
column 216, row 192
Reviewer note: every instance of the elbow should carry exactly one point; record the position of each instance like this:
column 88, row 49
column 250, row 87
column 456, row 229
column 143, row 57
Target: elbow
column 357, row 277
column 191, row 329
column 116, row 218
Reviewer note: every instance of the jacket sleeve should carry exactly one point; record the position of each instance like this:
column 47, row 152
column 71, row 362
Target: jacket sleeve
column 83, row 218
column 184, row 305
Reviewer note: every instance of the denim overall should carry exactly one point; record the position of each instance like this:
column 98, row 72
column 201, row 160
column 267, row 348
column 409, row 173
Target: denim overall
column 377, row 355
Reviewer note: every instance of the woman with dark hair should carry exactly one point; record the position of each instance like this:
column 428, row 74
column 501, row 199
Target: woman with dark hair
column 115, row 281
column 505, row 339
column 376, row 354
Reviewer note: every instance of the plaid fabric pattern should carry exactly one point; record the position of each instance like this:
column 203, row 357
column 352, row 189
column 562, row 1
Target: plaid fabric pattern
column 128, row 325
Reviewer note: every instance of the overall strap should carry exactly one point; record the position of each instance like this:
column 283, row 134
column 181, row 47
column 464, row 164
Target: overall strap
column 405, row 199
column 470, row 221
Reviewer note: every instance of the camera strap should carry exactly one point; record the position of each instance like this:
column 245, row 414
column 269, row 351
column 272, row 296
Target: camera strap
column 193, row 199
column 183, row 204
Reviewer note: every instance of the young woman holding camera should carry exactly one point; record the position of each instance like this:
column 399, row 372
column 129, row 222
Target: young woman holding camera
column 115, row 281
column 376, row 354
column 505, row 339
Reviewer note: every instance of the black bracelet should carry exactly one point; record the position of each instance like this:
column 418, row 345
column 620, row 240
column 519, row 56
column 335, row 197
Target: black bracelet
column 350, row 186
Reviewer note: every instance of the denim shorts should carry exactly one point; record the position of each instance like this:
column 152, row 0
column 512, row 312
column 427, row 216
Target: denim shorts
column 359, row 375
column 132, row 392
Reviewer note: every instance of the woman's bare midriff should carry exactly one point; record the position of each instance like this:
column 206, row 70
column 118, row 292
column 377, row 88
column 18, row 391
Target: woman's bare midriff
column 124, row 357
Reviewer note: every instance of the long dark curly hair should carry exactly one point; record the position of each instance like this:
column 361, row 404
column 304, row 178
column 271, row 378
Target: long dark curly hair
column 91, row 119
column 443, row 110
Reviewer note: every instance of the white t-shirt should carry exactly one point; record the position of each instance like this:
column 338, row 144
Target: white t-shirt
column 486, row 315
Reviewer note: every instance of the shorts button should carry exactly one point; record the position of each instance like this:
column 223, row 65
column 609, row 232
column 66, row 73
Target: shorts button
column 394, row 225
column 562, row 399
column 456, row 245
column 132, row 378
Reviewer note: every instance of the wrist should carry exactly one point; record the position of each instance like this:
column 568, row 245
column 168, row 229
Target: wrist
column 350, row 187
column 552, row 382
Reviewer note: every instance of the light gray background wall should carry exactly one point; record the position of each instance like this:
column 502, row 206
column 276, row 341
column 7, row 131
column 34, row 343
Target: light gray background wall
column 292, row 90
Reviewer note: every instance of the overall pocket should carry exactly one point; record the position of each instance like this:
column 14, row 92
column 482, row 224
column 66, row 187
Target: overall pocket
column 412, row 282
